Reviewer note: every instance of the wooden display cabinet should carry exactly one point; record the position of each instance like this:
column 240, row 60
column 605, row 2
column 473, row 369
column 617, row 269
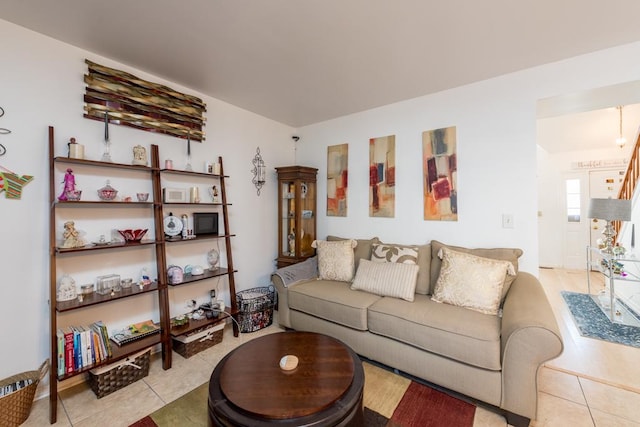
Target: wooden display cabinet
column 296, row 214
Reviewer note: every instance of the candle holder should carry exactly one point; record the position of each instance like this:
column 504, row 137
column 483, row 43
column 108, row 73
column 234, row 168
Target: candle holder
column 106, row 155
column 259, row 171
column 188, row 166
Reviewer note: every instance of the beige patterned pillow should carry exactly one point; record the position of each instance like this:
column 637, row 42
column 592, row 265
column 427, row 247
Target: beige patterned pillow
column 471, row 281
column 335, row 259
column 388, row 279
column 382, row 252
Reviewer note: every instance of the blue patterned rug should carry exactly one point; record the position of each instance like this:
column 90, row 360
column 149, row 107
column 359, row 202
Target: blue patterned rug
column 593, row 323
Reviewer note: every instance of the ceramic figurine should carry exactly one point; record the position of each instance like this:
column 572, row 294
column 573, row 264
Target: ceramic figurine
column 139, row 155
column 71, row 237
column 66, row 289
column 69, row 190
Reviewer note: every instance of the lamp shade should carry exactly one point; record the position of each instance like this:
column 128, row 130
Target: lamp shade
column 610, row 209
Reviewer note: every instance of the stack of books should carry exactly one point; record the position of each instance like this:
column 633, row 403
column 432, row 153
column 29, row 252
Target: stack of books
column 82, row 346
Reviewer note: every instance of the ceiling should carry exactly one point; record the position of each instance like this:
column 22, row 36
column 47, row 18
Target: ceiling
column 304, row 61
column 589, row 130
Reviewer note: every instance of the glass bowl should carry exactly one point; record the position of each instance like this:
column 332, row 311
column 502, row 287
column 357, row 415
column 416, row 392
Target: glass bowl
column 133, row 236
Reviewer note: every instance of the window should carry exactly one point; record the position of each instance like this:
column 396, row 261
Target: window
column 573, row 200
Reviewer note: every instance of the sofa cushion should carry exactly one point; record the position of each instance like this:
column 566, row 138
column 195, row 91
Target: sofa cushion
column 362, row 250
column 424, row 262
column 382, row 252
column 471, row 281
column 335, row 259
column 333, row 301
column 387, row 279
column 454, row 332
column 507, row 254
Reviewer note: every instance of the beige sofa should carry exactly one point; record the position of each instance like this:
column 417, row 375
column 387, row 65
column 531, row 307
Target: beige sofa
column 491, row 358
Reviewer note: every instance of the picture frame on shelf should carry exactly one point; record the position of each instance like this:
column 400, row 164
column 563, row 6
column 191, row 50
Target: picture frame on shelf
column 174, row 195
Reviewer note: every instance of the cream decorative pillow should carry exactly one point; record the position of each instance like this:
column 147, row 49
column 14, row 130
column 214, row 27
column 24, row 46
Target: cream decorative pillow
column 387, row 279
column 471, row 281
column 394, row 253
column 335, row 259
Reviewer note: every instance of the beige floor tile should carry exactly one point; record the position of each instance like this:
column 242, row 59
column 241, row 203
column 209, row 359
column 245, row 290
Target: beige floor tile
column 611, row 400
column 560, row 384
column 134, row 401
column 184, row 375
column 556, row 412
column 486, row 418
column 603, row 419
column 39, row 415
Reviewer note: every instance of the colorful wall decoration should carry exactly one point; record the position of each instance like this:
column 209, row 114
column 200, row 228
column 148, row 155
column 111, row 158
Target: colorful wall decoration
column 337, row 179
column 137, row 103
column 440, row 169
column 382, row 176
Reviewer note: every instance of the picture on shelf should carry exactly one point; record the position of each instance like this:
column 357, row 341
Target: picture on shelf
column 135, row 332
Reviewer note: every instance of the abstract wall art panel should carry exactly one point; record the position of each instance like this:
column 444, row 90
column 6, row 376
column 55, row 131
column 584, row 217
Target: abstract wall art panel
column 382, row 176
column 337, row 179
column 440, row 169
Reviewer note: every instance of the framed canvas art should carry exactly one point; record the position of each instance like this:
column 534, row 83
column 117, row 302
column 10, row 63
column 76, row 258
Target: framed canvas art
column 382, row 176
column 337, row 179
column 440, row 169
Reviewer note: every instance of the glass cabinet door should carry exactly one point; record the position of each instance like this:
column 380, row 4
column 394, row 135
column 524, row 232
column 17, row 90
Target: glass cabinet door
column 297, row 214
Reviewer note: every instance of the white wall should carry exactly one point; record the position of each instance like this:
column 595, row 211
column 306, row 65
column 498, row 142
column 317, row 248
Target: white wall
column 496, row 137
column 41, row 84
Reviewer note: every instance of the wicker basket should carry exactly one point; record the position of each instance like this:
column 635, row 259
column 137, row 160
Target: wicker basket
column 107, row 379
column 256, row 308
column 16, row 406
column 201, row 339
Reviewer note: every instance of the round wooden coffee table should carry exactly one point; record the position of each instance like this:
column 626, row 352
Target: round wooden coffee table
column 248, row 388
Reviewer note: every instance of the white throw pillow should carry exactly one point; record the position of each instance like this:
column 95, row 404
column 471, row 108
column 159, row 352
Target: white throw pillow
column 387, row 279
column 335, row 259
column 471, row 281
column 382, row 252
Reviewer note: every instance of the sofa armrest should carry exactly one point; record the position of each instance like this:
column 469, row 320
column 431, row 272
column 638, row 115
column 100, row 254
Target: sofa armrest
column 287, row 277
column 530, row 336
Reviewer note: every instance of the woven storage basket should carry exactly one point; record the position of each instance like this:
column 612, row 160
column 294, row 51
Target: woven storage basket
column 16, row 406
column 201, row 339
column 256, row 308
column 107, row 379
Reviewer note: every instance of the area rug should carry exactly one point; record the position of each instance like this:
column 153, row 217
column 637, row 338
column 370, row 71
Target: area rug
column 593, row 323
column 390, row 400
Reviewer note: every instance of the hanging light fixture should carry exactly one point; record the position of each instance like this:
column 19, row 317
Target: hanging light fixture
column 620, row 140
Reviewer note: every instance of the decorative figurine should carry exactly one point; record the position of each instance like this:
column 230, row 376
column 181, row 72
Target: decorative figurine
column 71, row 236
column 139, row 155
column 66, row 289
column 69, row 191
column 213, row 257
column 215, row 196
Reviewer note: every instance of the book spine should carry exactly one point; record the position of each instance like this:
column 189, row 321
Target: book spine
column 68, row 351
column 105, row 339
column 90, row 346
column 83, row 350
column 60, row 338
column 77, row 349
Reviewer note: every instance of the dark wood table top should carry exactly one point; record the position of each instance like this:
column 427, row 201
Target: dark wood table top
column 252, row 380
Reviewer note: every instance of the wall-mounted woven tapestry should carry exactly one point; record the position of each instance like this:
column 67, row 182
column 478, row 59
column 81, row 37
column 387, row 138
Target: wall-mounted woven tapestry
column 130, row 101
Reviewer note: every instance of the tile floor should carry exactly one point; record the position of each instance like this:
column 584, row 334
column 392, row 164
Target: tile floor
column 592, row 384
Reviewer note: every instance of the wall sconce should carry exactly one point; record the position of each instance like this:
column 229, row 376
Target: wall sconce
column 259, row 171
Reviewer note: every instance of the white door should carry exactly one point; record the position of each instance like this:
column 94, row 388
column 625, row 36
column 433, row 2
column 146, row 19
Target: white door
column 574, row 218
column 603, row 184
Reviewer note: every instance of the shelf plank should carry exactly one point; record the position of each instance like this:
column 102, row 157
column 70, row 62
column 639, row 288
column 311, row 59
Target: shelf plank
column 119, row 353
column 98, row 163
column 95, row 298
column 192, row 325
column 208, row 274
column 192, row 173
column 94, row 247
column 200, row 237
column 101, row 203
column 198, row 204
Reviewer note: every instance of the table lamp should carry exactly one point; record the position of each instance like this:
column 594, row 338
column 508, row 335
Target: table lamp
column 610, row 210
